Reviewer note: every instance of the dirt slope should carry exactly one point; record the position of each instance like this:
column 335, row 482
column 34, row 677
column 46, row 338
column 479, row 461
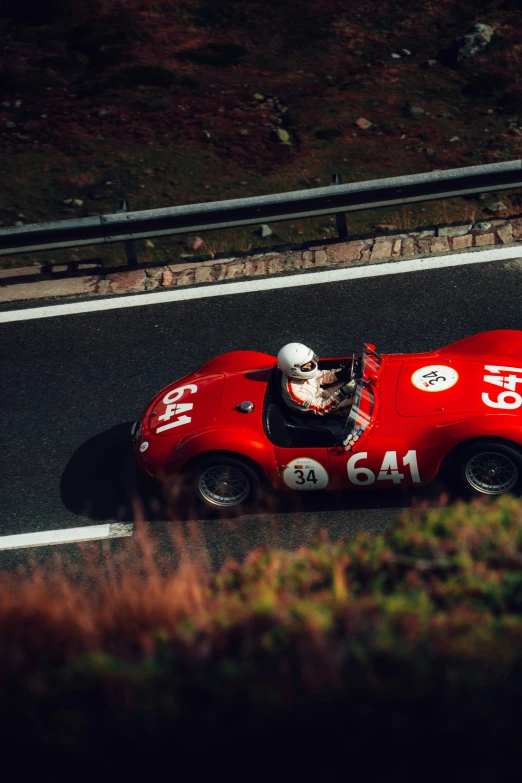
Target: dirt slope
column 184, row 101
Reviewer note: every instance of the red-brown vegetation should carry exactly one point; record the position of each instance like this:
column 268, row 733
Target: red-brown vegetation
column 404, row 639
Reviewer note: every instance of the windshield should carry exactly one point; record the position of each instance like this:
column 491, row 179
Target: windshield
column 364, row 399
column 371, row 361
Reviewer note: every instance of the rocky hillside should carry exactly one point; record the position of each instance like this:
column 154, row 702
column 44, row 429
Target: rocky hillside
column 175, row 101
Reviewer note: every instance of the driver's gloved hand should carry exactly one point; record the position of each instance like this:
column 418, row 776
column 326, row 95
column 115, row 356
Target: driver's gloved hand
column 344, row 373
column 348, row 389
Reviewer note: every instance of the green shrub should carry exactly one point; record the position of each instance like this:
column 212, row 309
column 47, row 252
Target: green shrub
column 396, row 641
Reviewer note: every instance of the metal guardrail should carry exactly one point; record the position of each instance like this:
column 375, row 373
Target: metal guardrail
column 127, row 227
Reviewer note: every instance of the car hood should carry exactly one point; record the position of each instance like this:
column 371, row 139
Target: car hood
column 186, row 405
column 437, row 385
column 243, row 387
column 211, row 395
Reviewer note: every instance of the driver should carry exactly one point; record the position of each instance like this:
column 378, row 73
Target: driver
column 302, row 382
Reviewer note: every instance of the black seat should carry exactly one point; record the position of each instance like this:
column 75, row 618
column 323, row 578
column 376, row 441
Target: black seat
column 275, row 426
column 310, row 436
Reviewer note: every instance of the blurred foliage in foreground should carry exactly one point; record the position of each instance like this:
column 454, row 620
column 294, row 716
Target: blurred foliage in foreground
column 364, row 657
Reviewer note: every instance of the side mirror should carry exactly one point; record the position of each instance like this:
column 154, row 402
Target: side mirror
column 371, row 346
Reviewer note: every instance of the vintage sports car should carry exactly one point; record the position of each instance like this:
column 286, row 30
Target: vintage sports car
column 227, row 431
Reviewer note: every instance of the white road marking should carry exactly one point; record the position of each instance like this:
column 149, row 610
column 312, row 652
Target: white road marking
column 67, row 536
column 417, row 264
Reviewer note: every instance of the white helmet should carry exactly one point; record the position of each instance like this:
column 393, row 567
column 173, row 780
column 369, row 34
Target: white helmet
column 297, row 361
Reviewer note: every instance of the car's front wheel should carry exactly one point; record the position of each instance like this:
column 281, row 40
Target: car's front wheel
column 225, row 483
column 490, row 467
column 219, row 483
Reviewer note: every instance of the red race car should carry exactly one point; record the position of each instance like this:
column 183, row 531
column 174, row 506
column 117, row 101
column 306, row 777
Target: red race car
column 226, row 429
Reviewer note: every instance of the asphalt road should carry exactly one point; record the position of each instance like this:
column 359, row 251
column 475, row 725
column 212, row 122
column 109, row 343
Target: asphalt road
column 71, row 386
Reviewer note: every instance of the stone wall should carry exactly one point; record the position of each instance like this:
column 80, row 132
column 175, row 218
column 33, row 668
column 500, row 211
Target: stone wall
column 385, row 247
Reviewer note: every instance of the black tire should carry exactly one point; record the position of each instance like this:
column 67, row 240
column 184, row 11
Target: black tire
column 489, row 467
column 220, row 484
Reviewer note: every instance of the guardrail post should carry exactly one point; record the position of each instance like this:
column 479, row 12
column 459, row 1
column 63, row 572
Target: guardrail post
column 131, row 249
column 340, row 217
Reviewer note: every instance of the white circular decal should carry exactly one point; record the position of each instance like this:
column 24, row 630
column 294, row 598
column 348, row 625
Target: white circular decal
column 144, row 446
column 435, row 378
column 305, row 473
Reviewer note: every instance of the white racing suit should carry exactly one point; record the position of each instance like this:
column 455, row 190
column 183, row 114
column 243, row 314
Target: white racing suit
column 308, row 394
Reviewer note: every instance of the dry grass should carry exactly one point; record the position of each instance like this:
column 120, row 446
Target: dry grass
column 234, row 244
column 48, row 616
column 410, row 637
column 119, row 604
column 407, row 218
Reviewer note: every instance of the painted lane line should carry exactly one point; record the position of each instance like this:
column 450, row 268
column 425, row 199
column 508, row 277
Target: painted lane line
column 67, row 536
column 417, row 264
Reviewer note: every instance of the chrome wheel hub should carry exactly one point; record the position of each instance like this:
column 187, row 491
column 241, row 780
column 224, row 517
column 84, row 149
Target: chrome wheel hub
column 491, row 473
column 223, row 485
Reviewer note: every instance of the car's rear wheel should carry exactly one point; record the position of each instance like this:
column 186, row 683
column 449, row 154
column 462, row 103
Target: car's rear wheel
column 490, row 467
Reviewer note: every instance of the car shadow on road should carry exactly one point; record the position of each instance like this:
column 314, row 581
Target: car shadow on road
column 101, row 482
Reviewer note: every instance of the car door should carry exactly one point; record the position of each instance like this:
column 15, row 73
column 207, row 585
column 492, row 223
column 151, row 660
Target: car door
column 303, row 468
column 373, row 464
column 377, row 452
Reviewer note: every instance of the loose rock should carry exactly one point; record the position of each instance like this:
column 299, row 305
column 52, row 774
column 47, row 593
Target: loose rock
column 475, row 40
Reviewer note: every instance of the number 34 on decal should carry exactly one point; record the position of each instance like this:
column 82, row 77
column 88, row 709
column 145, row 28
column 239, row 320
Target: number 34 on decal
column 389, row 469
column 509, row 398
